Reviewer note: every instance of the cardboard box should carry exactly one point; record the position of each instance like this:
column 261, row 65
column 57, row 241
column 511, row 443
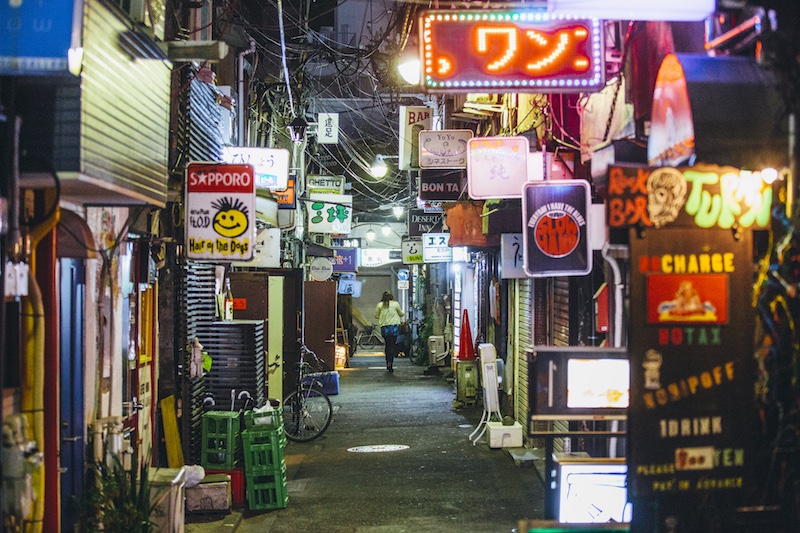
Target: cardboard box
column 213, row 494
column 501, row 436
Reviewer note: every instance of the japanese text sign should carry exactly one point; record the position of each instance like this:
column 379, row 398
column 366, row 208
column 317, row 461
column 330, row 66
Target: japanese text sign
column 271, row 164
column 345, row 260
column 436, row 248
column 220, row 211
column 467, row 51
column 498, row 167
column 329, row 213
column 556, row 241
column 443, row 148
column 328, row 128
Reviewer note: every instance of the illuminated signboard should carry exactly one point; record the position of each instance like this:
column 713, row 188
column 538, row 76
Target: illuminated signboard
column 468, row 51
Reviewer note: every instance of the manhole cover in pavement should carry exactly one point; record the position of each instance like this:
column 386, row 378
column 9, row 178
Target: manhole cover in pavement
column 377, row 448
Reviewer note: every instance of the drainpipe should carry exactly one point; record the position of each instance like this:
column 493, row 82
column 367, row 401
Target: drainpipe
column 616, row 325
column 240, row 104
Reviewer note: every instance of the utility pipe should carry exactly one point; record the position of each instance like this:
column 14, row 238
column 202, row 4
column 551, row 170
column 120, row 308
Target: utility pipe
column 240, row 105
column 617, row 302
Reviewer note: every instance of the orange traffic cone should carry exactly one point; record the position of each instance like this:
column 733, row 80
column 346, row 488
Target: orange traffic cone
column 466, row 347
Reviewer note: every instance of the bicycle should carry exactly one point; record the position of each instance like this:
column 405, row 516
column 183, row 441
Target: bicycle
column 307, row 410
column 369, row 337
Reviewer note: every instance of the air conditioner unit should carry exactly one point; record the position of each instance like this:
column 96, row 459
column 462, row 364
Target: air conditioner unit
column 322, row 239
column 436, row 350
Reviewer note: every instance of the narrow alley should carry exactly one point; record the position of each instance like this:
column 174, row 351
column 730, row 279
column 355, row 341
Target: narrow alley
column 424, row 476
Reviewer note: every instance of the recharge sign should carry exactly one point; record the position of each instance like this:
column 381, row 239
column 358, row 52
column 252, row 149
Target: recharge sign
column 220, row 211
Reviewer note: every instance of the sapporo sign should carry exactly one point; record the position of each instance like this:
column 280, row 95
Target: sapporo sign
column 691, row 362
column 220, row 211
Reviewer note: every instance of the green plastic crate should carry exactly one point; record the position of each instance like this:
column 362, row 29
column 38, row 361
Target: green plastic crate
column 263, row 449
column 264, row 421
column 220, row 444
column 267, row 490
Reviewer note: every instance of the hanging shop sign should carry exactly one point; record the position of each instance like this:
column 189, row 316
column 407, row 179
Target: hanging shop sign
column 330, row 213
column 345, row 260
column 421, row 221
column 554, row 216
column 692, row 366
column 411, row 249
column 320, row 269
column 220, row 211
column 346, row 242
column 325, row 184
column 702, row 196
column 328, row 128
column 443, row 148
column 440, row 184
column 413, row 120
column 40, row 38
column 286, row 198
column 511, row 258
column 498, row 167
column 470, row 51
column 435, row 248
column 271, row 164
column 465, row 220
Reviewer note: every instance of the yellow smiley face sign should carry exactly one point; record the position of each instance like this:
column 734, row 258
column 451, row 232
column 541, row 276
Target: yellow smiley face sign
column 231, row 219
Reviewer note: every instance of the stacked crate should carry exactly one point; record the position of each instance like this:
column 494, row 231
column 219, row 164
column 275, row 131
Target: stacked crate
column 221, row 437
column 264, row 464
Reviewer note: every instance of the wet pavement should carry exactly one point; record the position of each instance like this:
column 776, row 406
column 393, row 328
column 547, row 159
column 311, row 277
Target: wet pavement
column 437, row 481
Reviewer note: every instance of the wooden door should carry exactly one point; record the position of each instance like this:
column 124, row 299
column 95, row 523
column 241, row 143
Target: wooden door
column 319, row 320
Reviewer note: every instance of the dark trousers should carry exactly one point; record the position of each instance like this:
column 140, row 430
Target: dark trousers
column 390, row 348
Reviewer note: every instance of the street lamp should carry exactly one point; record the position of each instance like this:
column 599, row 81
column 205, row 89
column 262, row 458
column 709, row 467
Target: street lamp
column 379, row 168
column 386, row 229
column 297, row 129
column 370, row 234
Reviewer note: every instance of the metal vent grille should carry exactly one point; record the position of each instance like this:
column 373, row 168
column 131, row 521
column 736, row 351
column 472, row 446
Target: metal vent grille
column 204, row 139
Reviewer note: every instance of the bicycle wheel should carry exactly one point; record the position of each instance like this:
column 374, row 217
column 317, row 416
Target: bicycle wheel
column 307, row 413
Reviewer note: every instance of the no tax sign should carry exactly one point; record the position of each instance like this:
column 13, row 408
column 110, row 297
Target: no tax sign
column 220, row 211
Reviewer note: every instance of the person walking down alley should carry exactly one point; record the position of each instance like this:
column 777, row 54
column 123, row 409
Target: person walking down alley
column 388, row 314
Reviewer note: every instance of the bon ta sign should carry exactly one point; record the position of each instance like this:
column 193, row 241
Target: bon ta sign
column 220, row 211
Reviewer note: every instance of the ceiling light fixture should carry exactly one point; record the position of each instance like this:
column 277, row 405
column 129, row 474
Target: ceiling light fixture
column 379, row 168
column 371, row 234
column 398, row 211
column 386, row 229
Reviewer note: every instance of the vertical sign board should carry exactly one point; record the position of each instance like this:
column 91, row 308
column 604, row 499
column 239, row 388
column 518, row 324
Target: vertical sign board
column 556, row 241
column 511, row 258
column 220, row 211
column 328, row 128
column 692, row 411
column 498, row 167
column 413, row 119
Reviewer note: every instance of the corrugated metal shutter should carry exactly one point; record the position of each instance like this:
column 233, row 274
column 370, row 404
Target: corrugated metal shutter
column 560, row 311
column 525, row 317
column 125, row 110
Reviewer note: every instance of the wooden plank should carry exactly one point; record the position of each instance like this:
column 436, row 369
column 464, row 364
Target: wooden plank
column 171, row 435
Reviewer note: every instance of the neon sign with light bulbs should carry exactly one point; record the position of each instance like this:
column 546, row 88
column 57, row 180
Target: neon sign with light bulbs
column 469, row 51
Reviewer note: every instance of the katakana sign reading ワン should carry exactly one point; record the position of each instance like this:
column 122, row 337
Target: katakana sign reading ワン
column 220, row 211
